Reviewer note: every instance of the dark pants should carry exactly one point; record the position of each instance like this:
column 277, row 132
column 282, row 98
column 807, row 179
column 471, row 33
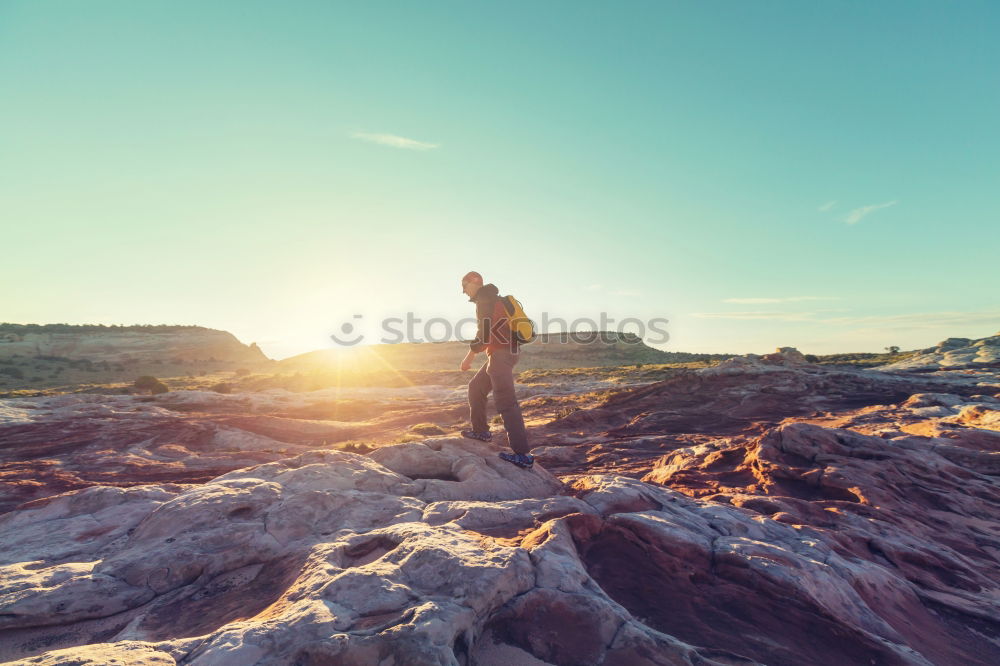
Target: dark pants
column 497, row 375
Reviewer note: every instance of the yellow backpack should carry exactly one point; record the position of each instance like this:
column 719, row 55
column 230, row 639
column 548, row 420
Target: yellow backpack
column 520, row 325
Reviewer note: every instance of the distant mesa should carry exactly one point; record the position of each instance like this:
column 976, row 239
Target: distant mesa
column 116, row 344
column 548, row 350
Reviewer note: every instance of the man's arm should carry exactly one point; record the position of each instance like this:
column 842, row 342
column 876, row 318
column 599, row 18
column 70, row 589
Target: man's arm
column 483, row 310
column 467, row 361
column 478, row 343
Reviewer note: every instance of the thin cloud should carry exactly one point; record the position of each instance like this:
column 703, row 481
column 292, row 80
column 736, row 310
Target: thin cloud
column 779, row 316
column 859, row 214
column 914, row 320
column 783, row 299
column 827, row 206
column 612, row 292
column 921, row 319
column 394, row 141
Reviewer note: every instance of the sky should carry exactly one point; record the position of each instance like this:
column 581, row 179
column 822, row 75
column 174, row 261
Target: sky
column 759, row 174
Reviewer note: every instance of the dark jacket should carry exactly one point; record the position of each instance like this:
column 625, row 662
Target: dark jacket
column 493, row 331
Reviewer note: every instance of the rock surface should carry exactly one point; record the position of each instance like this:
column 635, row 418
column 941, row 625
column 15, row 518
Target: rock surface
column 953, row 354
column 786, row 514
column 53, row 444
column 740, row 397
column 327, row 556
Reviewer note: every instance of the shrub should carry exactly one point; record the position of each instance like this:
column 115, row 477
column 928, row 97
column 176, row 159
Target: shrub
column 356, row 447
column 223, row 387
column 146, row 382
column 151, row 384
column 426, row 429
column 16, row 373
column 812, row 358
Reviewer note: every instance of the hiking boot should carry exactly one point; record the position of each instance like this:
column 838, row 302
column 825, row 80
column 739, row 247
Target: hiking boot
column 482, row 436
column 525, row 460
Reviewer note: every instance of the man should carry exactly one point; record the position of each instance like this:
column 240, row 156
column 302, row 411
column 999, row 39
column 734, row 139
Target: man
column 501, row 346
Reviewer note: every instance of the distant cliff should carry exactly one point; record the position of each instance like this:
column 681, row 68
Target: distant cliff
column 549, row 350
column 171, row 344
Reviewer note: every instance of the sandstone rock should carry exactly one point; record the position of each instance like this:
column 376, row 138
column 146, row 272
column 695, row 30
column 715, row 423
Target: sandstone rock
column 952, row 354
column 978, row 415
column 559, row 454
column 919, row 400
column 787, row 514
column 327, row 556
column 459, row 468
column 125, row 653
column 785, row 355
column 50, row 445
column 733, row 395
column 70, row 442
column 192, row 343
column 909, row 505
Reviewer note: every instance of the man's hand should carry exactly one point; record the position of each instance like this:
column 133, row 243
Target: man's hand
column 467, row 361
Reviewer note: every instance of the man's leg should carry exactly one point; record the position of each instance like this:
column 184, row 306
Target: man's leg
column 500, row 368
column 479, row 390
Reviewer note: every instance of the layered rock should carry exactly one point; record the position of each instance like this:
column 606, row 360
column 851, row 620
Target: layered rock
column 325, row 557
column 813, row 544
column 786, row 514
column 551, row 350
column 746, row 390
column 54, row 444
column 120, row 344
column 952, row 354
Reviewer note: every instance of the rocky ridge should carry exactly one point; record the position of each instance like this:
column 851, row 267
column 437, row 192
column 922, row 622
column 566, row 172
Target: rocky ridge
column 126, row 344
column 953, row 354
column 771, row 512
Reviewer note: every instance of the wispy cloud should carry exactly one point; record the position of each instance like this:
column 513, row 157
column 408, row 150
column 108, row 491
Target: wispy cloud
column 394, row 141
column 921, row 319
column 914, row 320
column 783, row 299
column 827, row 206
column 859, row 214
column 776, row 316
column 612, row 292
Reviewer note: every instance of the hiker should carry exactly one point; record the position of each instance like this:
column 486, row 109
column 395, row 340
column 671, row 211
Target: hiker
column 495, row 337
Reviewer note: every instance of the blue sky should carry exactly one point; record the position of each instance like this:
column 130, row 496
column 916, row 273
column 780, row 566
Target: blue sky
column 762, row 174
